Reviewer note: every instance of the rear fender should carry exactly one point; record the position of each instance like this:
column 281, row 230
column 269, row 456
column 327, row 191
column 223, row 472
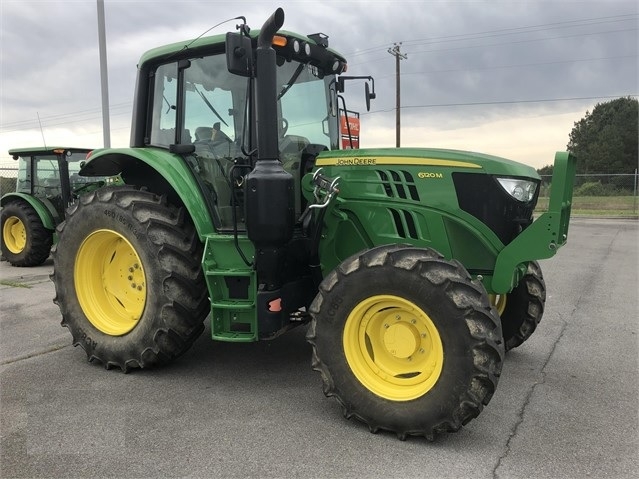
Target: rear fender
column 45, row 210
column 161, row 172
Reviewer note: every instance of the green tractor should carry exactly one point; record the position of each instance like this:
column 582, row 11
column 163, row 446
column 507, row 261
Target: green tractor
column 414, row 269
column 48, row 182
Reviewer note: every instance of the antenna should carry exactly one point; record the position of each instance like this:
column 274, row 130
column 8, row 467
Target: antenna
column 244, row 28
column 41, row 131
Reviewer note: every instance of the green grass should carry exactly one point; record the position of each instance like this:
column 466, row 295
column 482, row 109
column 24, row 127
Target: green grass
column 598, row 205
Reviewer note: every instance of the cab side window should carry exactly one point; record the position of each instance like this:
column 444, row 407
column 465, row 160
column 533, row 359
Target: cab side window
column 164, row 106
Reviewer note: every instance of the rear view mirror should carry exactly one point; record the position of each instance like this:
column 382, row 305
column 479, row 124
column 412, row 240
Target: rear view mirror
column 239, row 54
column 369, row 96
column 369, row 91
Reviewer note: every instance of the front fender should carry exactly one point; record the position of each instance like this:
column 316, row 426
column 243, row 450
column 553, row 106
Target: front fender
column 158, row 170
column 47, row 213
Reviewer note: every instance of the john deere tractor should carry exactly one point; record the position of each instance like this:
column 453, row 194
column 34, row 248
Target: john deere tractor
column 47, row 183
column 413, row 269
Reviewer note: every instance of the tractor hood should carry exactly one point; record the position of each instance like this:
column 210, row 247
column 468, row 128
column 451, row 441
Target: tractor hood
column 429, row 157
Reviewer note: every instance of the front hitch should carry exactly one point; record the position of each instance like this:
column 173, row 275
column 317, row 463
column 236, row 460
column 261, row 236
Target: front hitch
column 546, row 234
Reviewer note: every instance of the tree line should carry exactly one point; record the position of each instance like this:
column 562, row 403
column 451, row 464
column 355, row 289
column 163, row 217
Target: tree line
column 605, row 140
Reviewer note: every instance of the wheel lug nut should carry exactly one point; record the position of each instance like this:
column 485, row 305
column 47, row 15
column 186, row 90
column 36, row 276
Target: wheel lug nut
column 413, row 321
column 386, row 326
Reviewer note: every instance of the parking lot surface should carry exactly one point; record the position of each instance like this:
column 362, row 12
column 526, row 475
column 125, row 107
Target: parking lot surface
column 566, row 405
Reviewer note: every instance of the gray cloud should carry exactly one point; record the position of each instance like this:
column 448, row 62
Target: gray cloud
column 459, row 53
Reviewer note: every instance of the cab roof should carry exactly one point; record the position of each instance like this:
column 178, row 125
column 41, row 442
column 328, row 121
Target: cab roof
column 175, row 49
column 46, row 150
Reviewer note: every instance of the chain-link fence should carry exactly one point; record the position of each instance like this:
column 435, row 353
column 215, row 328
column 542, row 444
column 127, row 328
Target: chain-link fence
column 8, row 178
column 609, row 194
column 600, row 194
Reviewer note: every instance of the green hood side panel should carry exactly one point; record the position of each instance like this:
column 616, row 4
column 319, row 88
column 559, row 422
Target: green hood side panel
column 173, row 168
column 401, row 200
column 47, row 213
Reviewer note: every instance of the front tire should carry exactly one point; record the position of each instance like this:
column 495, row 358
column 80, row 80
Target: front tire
column 521, row 310
column 127, row 278
column 25, row 240
column 406, row 341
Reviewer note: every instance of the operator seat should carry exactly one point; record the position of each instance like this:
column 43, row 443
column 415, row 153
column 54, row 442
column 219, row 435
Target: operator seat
column 203, row 133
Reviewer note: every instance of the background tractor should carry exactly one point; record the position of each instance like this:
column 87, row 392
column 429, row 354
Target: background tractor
column 48, row 182
column 414, row 269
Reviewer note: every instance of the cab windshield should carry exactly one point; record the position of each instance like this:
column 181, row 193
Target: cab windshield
column 217, row 120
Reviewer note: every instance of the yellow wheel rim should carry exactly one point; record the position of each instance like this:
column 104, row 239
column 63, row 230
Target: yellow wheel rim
column 14, row 234
column 393, row 348
column 499, row 302
column 110, row 282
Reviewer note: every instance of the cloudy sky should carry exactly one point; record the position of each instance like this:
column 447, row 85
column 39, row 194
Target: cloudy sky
column 503, row 77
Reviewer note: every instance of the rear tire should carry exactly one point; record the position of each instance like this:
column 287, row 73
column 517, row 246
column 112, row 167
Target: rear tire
column 406, row 341
column 128, row 279
column 523, row 308
column 25, row 240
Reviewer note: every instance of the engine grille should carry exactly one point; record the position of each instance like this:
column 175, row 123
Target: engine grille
column 483, row 197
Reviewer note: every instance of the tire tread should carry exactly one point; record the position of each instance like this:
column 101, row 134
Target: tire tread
column 186, row 303
column 481, row 320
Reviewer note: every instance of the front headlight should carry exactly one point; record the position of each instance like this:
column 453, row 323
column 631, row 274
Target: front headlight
column 521, row 190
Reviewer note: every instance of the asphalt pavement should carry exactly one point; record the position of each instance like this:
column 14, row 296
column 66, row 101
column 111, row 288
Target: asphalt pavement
column 566, row 405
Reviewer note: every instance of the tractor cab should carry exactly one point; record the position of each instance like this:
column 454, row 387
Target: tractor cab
column 48, row 182
column 202, row 102
column 198, row 105
column 51, row 173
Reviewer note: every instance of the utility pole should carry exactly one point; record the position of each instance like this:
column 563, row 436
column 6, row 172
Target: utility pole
column 104, row 82
column 395, row 51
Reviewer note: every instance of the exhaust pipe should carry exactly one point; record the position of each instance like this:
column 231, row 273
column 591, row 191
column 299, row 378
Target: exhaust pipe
column 267, row 148
column 269, row 194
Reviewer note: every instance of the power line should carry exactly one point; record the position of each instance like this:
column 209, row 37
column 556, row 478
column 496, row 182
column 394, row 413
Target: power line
column 510, row 102
column 52, row 120
column 519, row 65
column 502, row 32
column 75, row 113
column 530, row 40
column 49, row 121
column 482, row 36
column 67, row 118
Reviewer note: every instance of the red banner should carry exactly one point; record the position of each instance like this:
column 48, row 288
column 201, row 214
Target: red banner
column 353, row 122
column 351, row 141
